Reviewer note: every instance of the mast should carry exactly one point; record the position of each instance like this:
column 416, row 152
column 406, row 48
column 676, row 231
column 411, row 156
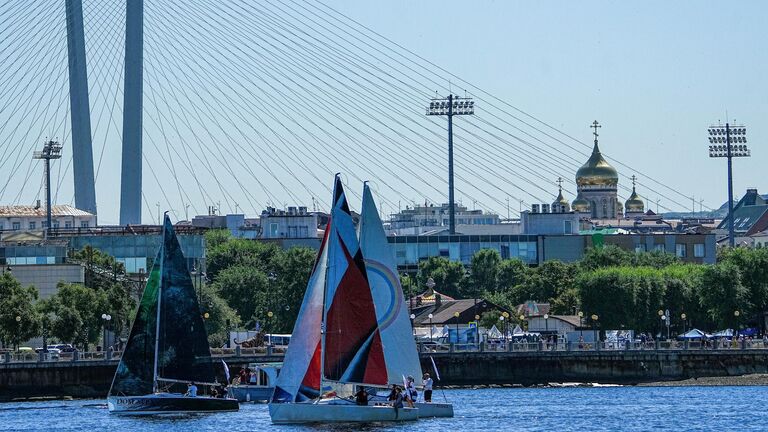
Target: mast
column 159, row 303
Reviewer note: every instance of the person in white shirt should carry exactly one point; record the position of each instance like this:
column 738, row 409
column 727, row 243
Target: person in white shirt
column 427, row 388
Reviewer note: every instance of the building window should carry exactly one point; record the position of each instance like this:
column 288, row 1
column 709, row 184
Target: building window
column 55, row 224
column 640, row 247
column 698, row 250
column 68, row 224
column 16, row 226
column 304, row 232
column 83, row 224
column 32, row 225
column 567, row 227
column 680, row 250
column 1, row 227
column 272, row 230
column 659, row 248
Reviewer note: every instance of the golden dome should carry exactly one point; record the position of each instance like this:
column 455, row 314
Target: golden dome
column 634, row 204
column 580, row 205
column 560, row 200
column 597, row 171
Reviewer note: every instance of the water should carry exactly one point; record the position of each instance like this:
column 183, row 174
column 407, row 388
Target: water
column 543, row 409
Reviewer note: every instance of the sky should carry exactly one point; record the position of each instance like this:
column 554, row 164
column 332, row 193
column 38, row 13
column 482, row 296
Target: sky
column 655, row 74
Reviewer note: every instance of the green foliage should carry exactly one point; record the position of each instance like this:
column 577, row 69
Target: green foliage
column 723, row 294
column 512, row 272
column 449, row 276
column 255, row 278
column 221, row 317
column 484, row 270
column 77, row 312
column 216, row 237
column 17, row 301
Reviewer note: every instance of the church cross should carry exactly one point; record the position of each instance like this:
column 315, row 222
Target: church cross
column 559, row 183
column 594, row 126
column 634, row 177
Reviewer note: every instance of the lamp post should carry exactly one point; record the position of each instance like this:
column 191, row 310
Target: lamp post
column 270, row 314
column 594, row 320
column 661, row 315
column 581, row 325
column 413, row 329
column 685, row 327
column 106, row 318
column 430, row 327
column 721, row 140
column 501, row 319
column 664, row 319
column 736, row 314
column 505, row 314
column 456, row 318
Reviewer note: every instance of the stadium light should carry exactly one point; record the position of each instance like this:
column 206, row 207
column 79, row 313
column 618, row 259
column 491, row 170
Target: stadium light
column 728, row 142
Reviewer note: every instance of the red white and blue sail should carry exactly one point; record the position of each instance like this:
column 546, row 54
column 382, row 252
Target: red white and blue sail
column 352, row 350
column 400, row 354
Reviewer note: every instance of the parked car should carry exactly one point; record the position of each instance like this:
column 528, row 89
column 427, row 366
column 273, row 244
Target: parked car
column 66, row 348
column 53, row 352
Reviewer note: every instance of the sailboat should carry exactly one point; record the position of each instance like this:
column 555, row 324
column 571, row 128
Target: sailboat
column 400, row 353
column 336, row 345
column 167, row 349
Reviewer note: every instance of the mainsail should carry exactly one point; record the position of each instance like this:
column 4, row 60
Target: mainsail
column 171, row 344
column 299, row 377
column 352, row 346
column 400, row 352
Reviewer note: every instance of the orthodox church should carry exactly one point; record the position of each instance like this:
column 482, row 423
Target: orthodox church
column 597, row 189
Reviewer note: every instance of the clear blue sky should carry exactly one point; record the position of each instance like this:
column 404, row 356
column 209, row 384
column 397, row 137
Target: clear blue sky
column 655, row 74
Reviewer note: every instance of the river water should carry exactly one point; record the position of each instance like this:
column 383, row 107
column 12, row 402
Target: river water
column 539, row 409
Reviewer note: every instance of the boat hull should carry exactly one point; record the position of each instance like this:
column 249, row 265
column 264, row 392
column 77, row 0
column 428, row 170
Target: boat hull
column 291, row 413
column 168, row 404
column 251, row 393
column 427, row 410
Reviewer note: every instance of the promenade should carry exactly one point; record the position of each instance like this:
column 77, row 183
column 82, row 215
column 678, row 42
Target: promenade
column 89, row 374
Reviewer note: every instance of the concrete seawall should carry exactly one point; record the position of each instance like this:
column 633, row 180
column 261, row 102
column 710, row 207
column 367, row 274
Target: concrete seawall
column 91, row 379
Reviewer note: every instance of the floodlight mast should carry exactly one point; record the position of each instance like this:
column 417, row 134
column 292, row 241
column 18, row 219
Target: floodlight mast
column 451, row 106
column 51, row 150
column 719, row 135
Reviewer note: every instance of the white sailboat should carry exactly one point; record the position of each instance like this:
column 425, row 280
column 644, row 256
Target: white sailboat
column 400, row 353
column 336, row 344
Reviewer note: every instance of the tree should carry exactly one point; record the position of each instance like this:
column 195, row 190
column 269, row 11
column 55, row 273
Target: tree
column 19, row 318
column 244, row 252
column 753, row 268
column 604, row 256
column 221, row 318
column 244, row 288
column 722, row 294
column 484, row 270
column 77, row 312
column 216, row 237
column 511, row 272
column 292, row 270
column 448, row 275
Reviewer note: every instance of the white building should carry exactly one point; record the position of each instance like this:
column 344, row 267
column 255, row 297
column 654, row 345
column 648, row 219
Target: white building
column 421, row 219
column 33, row 218
column 295, row 222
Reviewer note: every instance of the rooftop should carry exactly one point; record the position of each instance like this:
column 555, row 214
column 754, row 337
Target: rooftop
column 39, row 211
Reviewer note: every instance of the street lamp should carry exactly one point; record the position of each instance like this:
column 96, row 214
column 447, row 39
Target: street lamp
column 413, row 317
column 594, row 320
column 685, row 327
column 106, row 318
column 456, row 317
column 430, row 327
column 581, row 325
column 721, row 140
column 736, row 314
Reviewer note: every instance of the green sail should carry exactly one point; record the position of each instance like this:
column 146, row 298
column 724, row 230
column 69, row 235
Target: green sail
column 183, row 352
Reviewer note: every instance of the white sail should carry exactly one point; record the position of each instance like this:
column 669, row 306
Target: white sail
column 400, row 354
column 299, row 377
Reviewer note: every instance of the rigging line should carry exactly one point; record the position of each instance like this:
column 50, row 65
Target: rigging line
column 201, row 160
column 20, row 144
column 172, row 88
column 115, row 66
column 259, row 134
column 19, row 36
column 233, row 141
column 370, row 64
column 316, row 113
column 376, row 85
column 255, row 113
column 40, row 72
column 484, row 92
column 268, row 112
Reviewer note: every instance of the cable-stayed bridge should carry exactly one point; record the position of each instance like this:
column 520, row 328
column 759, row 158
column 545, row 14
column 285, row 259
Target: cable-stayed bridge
column 245, row 104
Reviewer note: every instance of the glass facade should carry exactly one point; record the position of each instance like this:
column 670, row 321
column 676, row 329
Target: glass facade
column 135, row 251
column 25, row 254
column 410, row 250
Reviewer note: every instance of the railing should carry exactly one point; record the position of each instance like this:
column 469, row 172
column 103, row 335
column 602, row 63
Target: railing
column 427, row 348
